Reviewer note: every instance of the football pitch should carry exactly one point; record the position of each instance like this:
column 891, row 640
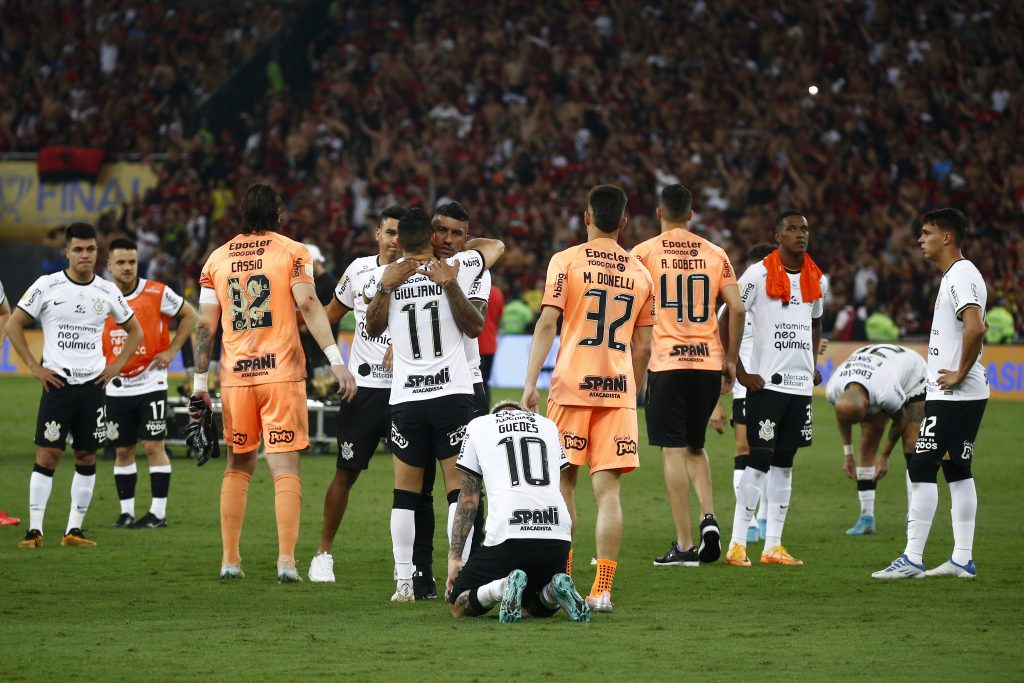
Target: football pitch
column 147, row 604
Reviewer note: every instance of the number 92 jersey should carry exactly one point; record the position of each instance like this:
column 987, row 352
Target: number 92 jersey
column 890, row 374
column 603, row 292
column 251, row 279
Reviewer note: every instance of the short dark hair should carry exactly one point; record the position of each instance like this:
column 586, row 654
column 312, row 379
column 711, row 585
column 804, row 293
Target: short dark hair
column 82, row 231
column 507, row 405
column 759, row 251
column 122, row 243
column 453, row 210
column 607, row 205
column 414, row 230
column 675, row 202
column 949, row 219
column 786, row 214
column 260, row 208
column 394, row 211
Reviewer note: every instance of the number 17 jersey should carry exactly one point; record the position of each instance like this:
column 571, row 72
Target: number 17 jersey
column 603, row 292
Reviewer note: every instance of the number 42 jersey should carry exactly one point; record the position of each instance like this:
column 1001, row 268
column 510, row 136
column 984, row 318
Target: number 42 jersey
column 251, row 279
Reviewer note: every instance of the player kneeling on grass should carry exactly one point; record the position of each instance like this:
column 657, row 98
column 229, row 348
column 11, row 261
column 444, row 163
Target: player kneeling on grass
column 518, row 456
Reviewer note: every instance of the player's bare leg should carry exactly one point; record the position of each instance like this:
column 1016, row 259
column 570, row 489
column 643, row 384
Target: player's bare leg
column 608, row 535
column 335, row 504
column 677, row 485
column 567, row 484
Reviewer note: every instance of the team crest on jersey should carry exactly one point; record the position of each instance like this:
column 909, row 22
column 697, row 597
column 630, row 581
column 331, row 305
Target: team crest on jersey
column 112, row 431
column 455, row 437
column 397, row 438
column 52, row 432
column 97, row 306
column 767, row 431
column 968, row 451
column 346, row 451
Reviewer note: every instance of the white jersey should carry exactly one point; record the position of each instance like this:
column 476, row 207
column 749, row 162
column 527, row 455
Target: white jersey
column 152, row 378
column 962, row 286
column 478, row 291
column 365, row 359
column 889, row 373
column 520, row 457
column 746, row 348
column 429, row 354
column 783, row 352
column 72, row 316
column 3, row 297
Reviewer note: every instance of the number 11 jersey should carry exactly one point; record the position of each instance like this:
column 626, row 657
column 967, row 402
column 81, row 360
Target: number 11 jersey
column 603, row 292
column 250, row 278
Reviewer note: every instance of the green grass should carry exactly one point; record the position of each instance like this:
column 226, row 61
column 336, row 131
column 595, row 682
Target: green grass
column 146, row 605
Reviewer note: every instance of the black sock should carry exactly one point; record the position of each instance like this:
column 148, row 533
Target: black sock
column 160, row 482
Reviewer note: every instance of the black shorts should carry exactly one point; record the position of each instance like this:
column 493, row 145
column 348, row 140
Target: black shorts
column 679, row 406
column 134, row 418
column 77, row 410
column 739, row 411
column 362, row 424
column 480, row 406
column 778, row 421
column 950, row 427
column 539, row 558
column 432, row 429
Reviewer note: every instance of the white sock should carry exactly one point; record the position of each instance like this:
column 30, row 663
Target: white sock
column 403, row 534
column 910, row 492
column 867, row 498
column 159, row 505
column 469, row 537
column 547, row 597
column 490, row 594
column 780, row 490
column 39, row 488
column 737, row 477
column 81, row 495
column 923, row 502
column 762, row 500
column 750, row 485
column 964, row 497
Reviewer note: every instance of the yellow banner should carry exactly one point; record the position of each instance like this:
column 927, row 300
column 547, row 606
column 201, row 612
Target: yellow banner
column 28, row 208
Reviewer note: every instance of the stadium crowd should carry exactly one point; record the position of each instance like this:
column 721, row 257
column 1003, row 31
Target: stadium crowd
column 862, row 114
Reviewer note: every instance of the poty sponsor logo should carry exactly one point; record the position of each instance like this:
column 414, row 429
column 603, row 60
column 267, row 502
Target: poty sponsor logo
column 624, row 446
column 397, row 438
column 572, row 442
column 456, row 436
column 281, row 436
column 239, row 439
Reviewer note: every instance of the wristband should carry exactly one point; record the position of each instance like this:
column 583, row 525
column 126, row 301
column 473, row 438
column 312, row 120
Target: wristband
column 848, row 450
column 333, row 355
column 201, row 382
column 382, row 290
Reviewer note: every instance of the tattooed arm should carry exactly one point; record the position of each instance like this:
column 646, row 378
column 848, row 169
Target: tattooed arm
column 209, row 320
column 465, row 513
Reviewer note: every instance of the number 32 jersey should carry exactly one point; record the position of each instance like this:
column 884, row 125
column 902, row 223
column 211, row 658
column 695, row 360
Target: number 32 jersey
column 251, row 279
column 520, row 457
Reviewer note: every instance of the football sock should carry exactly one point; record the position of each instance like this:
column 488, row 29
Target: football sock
column 490, row 594
column 762, row 499
column 125, row 479
column 780, row 490
column 82, row 485
column 737, row 477
column 605, row 576
column 423, row 546
column 568, row 563
column 923, row 502
column 234, row 494
column 160, row 483
column 40, row 484
column 906, row 476
column 403, row 531
column 964, row 498
column 288, row 509
column 866, row 487
column 547, row 596
column 746, row 502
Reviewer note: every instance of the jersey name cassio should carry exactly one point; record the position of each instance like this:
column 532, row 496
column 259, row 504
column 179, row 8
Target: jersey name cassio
column 251, row 278
column 520, row 457
column 478, row 291
column 603, row 292
column 962, row 286
column 367, row 353
column 746, row 349
column 72, row 316
column 783, row 351
column 689, row 272
column 889, row 373
column 153, row 303
column 429, row 354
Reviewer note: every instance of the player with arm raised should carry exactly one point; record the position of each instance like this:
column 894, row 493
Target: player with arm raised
column 783, row 296
column 137, row 398
column 421, row 301
column 689, row 368
column 518, row 456
column 876, row 384
column 72, row 307
column 252, row 285
column 956, row 395
column 605, row 295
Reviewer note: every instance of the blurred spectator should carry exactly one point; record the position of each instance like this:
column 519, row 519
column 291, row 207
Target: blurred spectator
column 517, row 317
column 1000, row 324
column 879, row 327
column 488, row 339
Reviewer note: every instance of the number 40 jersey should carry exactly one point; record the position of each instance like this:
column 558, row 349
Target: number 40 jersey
column 250, row 278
